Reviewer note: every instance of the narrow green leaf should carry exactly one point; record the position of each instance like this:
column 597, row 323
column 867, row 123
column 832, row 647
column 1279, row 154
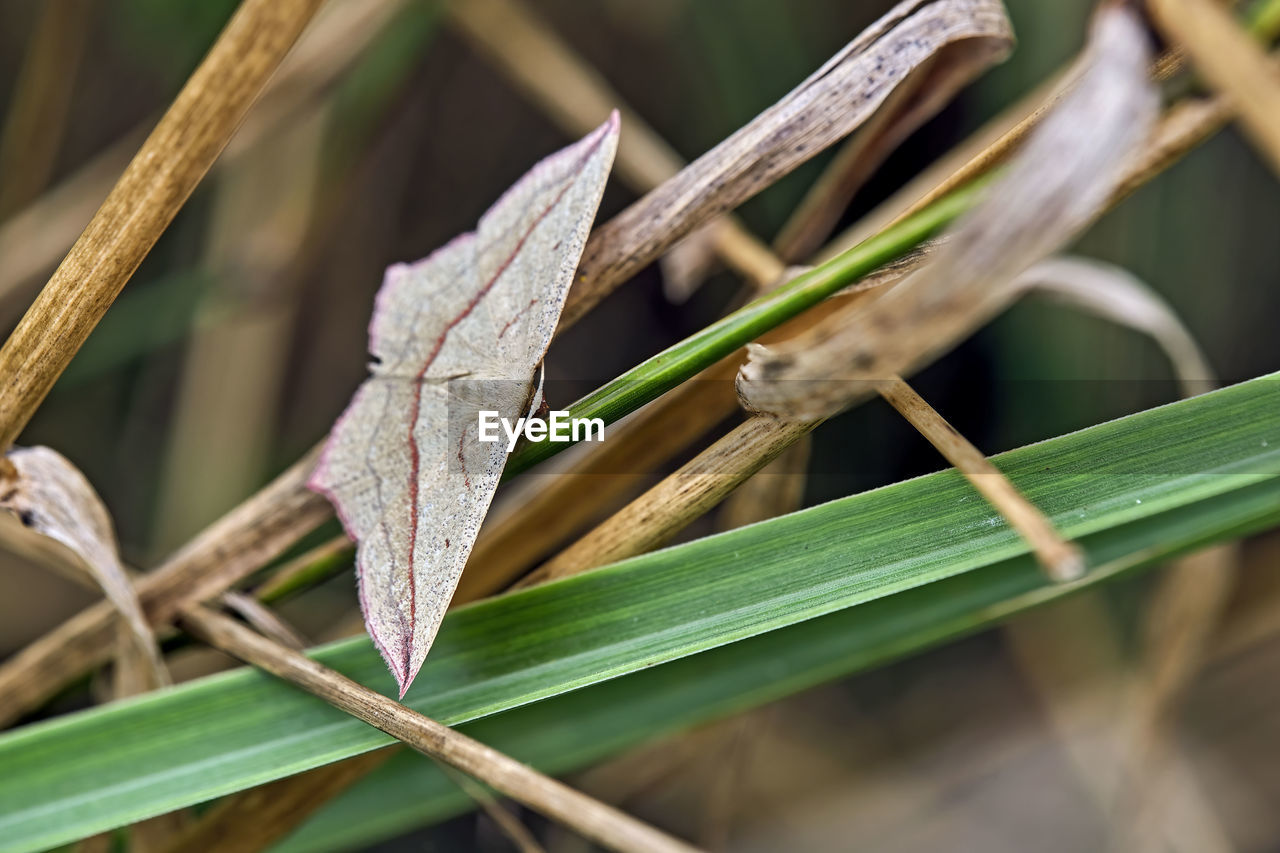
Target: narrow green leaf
column 573, row 731
column 1133, row 491
column 654, row 377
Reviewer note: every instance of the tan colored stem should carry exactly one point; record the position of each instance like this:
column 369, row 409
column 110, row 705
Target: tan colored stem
column 563, row 504
column 777, row 489
column 148, row 195
column 1061, row 560
column 1231, row 60
column 593, row 819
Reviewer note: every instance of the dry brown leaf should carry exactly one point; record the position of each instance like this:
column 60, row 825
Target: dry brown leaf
column 50, row 497
column 1060, row 181
column 923, row 81
column 238, row 544
column 837, row 98
column 404, row 465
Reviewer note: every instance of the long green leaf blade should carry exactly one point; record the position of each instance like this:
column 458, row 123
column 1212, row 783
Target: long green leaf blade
column 1134, row 490
column 572, row 731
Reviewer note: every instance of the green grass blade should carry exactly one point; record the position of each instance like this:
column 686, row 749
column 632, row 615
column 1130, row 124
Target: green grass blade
column 1133, row 491
column 575, row 730
column 654, row 377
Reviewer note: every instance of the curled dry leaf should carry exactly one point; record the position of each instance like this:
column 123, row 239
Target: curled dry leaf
column 1058, row 183
column 50, row 497
column 924, row 75
column 1118, row 295
column 834, row 100
column 461, row 331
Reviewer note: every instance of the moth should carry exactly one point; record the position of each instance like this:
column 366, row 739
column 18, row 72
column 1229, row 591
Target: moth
column 462, row 330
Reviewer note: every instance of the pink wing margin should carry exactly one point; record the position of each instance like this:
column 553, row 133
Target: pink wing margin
column 343, row 473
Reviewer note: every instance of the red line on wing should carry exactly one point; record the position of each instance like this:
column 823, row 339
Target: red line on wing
column 519, row 314
column 414, row 458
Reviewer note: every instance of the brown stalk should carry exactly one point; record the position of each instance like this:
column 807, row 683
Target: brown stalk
column 777, row 489
column 148, row 195
column 37, row 116
column 1232, row 61
column 652, row 519
column 591, row 818
column 1061, row 560
column 558, row 505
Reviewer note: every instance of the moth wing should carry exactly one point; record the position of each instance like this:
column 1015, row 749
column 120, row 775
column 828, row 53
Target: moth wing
column 459, row 331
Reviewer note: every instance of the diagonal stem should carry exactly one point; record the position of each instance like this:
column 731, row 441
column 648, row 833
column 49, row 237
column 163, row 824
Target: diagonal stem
column 1061, row 560
column 148, row 195
column 595, row 820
